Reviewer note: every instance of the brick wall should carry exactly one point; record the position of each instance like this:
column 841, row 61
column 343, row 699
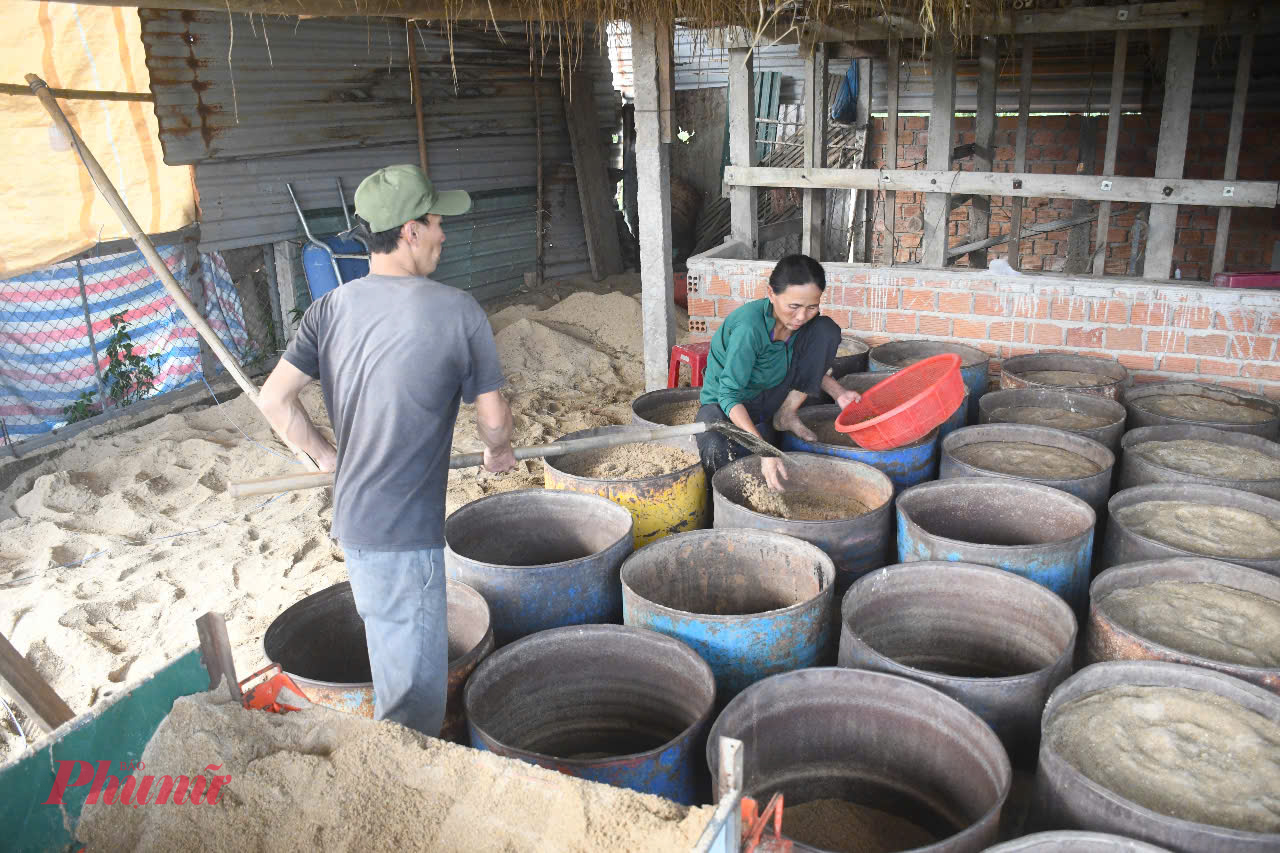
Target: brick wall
column 1231, row 337
column 1053, row 147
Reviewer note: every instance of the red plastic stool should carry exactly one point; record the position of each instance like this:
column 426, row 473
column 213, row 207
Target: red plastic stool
column 694, row 355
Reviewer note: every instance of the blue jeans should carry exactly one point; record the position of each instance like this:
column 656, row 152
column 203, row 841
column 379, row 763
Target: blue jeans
column 401, row 597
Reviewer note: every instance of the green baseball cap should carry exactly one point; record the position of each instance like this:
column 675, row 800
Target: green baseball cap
column 395, row 195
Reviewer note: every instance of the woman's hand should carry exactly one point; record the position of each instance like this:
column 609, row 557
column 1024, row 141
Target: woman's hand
column 774, row 472
column 847, row 398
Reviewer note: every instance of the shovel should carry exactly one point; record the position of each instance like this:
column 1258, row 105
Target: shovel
column 315, row 479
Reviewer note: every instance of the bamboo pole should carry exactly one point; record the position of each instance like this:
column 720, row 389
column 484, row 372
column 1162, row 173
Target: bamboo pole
column 415, row 84
column 143, row 242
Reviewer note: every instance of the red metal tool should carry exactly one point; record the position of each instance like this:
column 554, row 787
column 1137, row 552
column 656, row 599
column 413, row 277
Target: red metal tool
column 265, row 695
column 754, row 823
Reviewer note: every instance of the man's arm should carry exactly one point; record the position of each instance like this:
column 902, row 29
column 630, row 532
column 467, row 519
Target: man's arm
column 494, row 425
column 283, row 409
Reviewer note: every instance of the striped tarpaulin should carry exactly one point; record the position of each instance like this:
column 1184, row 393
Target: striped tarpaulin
column 45, row 356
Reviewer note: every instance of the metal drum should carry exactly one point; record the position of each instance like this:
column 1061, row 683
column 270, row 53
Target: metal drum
column 662, row 505
column 1114, row 375
column 873, row 739
column 974, row 364
column 1107, row 435
column 861, row 382
column 856, row 544
column 997, row 643
column 851, row 357
column 750, row 602
column 320, row 643
column 540, row 558
column 1137, row 470
column 905, row 466
column 1025, row 528
column 1074, row 841
column 1140, row 417
column 651, row 410
column 1108, row 640
column 608, row 703
column 1067, row 799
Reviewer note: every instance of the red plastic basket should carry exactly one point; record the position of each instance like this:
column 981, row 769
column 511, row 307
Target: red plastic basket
column 906, row 406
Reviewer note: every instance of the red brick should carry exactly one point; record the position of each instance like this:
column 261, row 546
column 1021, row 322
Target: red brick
column 725, row 307
column 917, row 300
column 1068, row 309
column 989, row 304
column 900, row 323
column 933, row 325
column 853, row 297
column 1252, row 347
column 1235, row 321
column 970, row 329
column 1006, row 332
column 1082, row 337
column 1045, row 334
column 955, row 303
column 1178, row 364
column 862, row 321
column 699, row 307
column 1124, row 339
column 1034, row 307
column 1207, row 344
column 1137, row 362
column 717, row 286
column 759, row 290
column 1109, row 311
column 1161, row 341
column 1251, row 387
column 1199, row 317
column 1149, row 314
column 842, row 316
column 1219, row 368
column 1262, row 371
column 1273, row 325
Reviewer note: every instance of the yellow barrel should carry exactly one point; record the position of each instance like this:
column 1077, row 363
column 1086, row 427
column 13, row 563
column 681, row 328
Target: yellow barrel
column 662, row 505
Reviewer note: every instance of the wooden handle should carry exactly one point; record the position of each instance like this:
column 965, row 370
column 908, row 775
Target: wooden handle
column 291, row 482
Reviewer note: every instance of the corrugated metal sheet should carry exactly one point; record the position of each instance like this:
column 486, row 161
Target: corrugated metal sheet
column 305, row 102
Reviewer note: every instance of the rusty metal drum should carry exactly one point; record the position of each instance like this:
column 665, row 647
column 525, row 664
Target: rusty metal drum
column 1139, row 470
column 1107, row 413
column 1266, row 422
column 1038, row 370
column 656, row 409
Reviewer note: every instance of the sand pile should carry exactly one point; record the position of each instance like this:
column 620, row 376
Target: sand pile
column 322, row 780
column 1204, row 619
column 1193, row 407
column 1214, row 531
column 1176, row 751
column 796, row 505
column 845, row 827
column 675, row 414
column 627, row 462
column 1024, row 459
column 1046, row 416
column 1066, row 378
column 1210, row 459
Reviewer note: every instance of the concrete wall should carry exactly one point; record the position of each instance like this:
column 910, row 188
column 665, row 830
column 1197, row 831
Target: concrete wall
column 1158, row 331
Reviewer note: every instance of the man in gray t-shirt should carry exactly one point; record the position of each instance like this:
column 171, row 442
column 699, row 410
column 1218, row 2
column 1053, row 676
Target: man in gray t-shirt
column 395, row 352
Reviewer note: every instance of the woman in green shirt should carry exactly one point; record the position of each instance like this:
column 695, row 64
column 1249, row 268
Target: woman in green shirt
column 768, row 357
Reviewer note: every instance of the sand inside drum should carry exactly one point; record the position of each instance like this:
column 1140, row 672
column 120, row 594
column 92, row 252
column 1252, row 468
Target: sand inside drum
column 1024, row 459
column 626, row 462
column 1066, row 378
column 323, row 780
column 1193, row 407
column 675, row 414
column 799, row 506
column 845, row 827
column 1203, row 619
column 1177, row 751
column 1206, row 529
column 1210, row 459
column 1046, row 416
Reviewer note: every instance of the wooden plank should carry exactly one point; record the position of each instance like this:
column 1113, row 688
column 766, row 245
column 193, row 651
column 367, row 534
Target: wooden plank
column 891, row 153
column 984, row 138
column 78, row 94
column 864, row 209
column 598, row 218
column 287, row 267
column 1233, row 148
column 1171, row 150
column 743, row 225
column 1029, row 231
column 215, row 651
column 1145, row 190
column 814, row 203
column 415, row 84
column 1020, row 147
column 32, row 693
column 1113, row 140
column 942, row 73
column 1078, row 256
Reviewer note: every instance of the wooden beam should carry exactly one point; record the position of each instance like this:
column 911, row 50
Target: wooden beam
column 32, row 693
column 415, row 85
column 539, row 246
column 1245, row 64
column 1020, row 148
column 215, row 650
column 1017, row 184
column 287, row 265
column 984, row 139
column 1171, row 150
column 1031, row 231
column 78, row 94
column 653, row 204
column 1113, row 140
column 1078, row 256
column 598, row 219
column 942, row 74
column 814, row 203
column 864, row 207
column 891, row 153
column 743, row 226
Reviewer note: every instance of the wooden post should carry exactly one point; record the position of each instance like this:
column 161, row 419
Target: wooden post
column 814, row 204
column 33, row 694
column 215, row 649
column 539, row 262
column 983, row 155
column 1078, row 240
column 743, row 223
column 891, row 153
column 1233, row 149
column 860, row 239
column 1171, row 150
column 653, row 201
column 1020, row 149
column 1113, row 141
column 598, row 218
column 143, row 242
column 941, row 121
column 415, row 85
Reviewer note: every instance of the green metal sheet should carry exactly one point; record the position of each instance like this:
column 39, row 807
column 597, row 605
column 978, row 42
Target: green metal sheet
column 767, row 89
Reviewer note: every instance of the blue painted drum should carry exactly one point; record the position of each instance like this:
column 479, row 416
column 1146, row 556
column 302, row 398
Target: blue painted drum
column 974, row 363
column 905, row 466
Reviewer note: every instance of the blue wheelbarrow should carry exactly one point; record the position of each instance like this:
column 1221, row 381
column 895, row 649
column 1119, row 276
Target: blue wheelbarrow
column 330, row 261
